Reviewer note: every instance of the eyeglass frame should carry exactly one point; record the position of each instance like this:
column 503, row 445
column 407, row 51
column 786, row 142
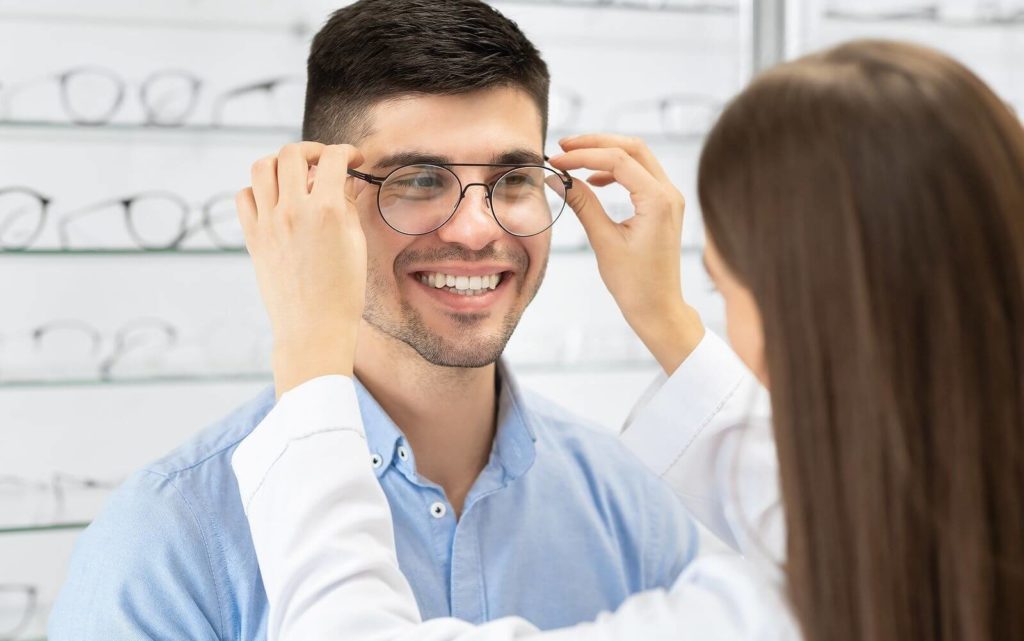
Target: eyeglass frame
column 31, row 593
column 184, row 232
column 44, row 207
column 380, row 180
column 121, row 347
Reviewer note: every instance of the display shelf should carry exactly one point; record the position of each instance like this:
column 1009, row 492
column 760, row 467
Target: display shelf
column 191, row 134
column 52, row 527
column 266, row 377
column 932, row 19
column 70, row 253
column 29, row 253
column 186, row 134
column 652, row 6
column 204, row 379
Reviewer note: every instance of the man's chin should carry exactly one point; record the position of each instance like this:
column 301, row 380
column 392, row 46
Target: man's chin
column 471, row 354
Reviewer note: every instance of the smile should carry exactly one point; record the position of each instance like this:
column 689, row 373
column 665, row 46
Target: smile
column 461, row 285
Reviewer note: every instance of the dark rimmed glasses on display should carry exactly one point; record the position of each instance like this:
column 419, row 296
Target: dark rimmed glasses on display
column 418, row 199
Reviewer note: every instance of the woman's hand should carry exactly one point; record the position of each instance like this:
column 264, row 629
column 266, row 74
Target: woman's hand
column 639, row 259
column 303, row 234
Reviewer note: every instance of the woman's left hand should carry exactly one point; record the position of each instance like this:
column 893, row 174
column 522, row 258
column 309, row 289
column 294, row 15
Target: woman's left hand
column 308, row 248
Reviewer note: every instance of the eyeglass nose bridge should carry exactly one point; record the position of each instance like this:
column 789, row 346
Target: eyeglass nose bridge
column 487, row 188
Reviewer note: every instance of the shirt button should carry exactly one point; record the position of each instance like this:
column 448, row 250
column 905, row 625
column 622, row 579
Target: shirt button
column 438, row 510
column 376, row 461
column 403, row 454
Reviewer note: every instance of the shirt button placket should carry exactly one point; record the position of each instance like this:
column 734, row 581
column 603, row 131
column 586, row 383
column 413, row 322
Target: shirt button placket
column 438, row 510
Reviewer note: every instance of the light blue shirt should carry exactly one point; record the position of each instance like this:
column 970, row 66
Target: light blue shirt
column 562, row 524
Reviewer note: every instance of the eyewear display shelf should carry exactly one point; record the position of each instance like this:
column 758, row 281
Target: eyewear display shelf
column 189, row 134
column 51, row 527
column 624, row 365
column 932, row 20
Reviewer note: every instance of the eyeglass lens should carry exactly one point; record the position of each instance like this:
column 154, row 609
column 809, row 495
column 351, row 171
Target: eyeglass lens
column 418, row 199
column 21, row 217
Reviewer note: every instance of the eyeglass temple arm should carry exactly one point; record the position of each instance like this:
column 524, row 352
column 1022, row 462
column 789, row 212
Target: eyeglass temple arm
column 566, row 178
column 373, row 180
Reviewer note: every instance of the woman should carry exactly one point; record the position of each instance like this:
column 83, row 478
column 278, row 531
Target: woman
column 865, row 218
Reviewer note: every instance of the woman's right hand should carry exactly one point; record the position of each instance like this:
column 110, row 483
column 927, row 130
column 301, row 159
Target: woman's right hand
column 639, row 258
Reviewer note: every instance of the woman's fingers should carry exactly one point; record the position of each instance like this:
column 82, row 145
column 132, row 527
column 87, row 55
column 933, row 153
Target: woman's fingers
column 332, row 172
column 264, row 184
column 625, row 169
column 596, row 223
column 635, row 147
column 601, row 179
column 293, row 163
column 245, row 207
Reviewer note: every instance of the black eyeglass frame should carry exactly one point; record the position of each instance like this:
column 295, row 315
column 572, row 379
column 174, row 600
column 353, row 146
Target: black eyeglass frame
column 380, row 180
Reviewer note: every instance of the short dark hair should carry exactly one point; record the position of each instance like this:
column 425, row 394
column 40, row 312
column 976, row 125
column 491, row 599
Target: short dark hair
column 373, row 50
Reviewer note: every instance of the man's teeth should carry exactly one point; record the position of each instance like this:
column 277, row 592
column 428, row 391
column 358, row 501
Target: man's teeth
column 464, row 285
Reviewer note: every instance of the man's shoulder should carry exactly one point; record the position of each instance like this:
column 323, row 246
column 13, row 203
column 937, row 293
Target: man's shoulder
column 181, row 540
column 212, row 447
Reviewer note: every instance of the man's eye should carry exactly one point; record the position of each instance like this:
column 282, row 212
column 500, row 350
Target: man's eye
column 420, row 182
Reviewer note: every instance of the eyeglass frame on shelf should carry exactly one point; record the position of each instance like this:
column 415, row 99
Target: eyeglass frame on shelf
column 567, row 182
column 106, row 365
column 44, row 202
column 185, row 232
column 64, row 77
column 57, row 487
column 32, row 604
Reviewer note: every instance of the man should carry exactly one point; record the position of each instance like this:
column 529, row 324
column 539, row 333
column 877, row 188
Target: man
column 503, row 503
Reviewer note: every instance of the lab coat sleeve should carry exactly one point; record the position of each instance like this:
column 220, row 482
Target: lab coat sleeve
column 322, row 531
column 706, row 430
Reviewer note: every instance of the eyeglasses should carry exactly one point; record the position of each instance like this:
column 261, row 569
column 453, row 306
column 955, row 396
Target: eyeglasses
column 63, row 499
column 274, row 101
column 874, row 10
column 18, row 604
column 155, row 221
column 524, row 199
column 93, row 95
column 22, row 214
column 687, row 116
column 75, row 347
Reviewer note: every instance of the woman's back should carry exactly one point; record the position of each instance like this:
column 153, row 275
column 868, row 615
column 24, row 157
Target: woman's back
column 872, row 199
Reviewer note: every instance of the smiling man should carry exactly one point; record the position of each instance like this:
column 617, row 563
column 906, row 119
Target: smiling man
column 503, row 503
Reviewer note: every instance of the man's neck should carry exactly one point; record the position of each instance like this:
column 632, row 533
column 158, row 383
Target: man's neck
column 447, row 414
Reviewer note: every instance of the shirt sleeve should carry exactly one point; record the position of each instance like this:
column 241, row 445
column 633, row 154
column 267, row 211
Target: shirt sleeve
column 142, row 570
column 706, row 430
column 323, row 536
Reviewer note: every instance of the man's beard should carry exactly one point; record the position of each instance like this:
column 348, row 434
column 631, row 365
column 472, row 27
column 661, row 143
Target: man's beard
column 464, row 348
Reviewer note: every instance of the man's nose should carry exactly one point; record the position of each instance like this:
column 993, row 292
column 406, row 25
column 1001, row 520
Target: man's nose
column 473, row 224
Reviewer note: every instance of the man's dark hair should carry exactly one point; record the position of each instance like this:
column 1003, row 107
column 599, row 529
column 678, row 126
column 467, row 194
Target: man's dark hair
column 373, row 50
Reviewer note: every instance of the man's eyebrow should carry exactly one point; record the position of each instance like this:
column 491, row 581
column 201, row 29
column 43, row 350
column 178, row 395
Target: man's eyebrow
column 509, row 157
column 518, row 157
column 411, row 158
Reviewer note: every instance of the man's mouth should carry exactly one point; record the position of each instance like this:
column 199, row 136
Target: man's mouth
column 462, row 285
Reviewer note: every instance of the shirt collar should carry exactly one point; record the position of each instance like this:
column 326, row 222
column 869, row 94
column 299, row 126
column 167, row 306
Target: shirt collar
column 514, row 439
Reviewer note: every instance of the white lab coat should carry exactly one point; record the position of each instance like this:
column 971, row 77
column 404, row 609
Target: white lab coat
column 323, row 534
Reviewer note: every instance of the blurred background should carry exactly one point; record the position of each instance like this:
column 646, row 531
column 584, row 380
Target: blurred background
column 132, row 318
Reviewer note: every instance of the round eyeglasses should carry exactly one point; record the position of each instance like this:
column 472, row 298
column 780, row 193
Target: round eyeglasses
column 414, row 200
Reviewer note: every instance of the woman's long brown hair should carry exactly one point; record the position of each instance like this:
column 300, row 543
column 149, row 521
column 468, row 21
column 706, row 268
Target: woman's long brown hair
column 872, row 199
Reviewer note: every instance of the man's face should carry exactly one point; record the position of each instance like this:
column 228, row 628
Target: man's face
column 446, row 328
